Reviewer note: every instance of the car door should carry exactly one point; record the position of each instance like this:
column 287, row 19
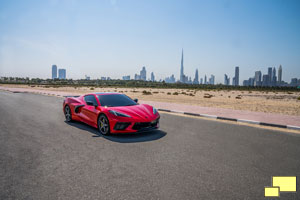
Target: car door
column 90, row 113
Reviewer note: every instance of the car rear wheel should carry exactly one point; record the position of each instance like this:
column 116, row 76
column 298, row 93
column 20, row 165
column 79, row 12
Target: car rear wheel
column 68, row 113
column 103, row 125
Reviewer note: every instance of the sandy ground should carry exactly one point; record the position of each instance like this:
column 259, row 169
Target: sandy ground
column 269, row 102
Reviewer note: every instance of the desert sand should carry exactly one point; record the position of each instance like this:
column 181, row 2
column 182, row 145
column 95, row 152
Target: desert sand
column 268, row 102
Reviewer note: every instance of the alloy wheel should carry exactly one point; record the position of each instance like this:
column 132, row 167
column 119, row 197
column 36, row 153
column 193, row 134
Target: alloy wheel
column 103, row 125
column 68, row 114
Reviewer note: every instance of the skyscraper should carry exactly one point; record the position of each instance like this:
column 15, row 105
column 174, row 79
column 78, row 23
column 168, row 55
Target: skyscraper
column 196, row 79
column 62, row 73
column 189, row 80
column 54, row 71
column 270, row 76
column 143, row 74
column 274, row 78
column 279, row 75
column 257, row 78
column 152, row 77
column 182, row 78
column 237, row 76
column 265, row 80
column 226, row 79
column 205, row 79
column 212, row 80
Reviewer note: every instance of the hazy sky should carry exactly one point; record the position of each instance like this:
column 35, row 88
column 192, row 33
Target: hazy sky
column 117, row 37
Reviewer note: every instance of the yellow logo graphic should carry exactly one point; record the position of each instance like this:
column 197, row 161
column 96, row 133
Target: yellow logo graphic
column 281, row 184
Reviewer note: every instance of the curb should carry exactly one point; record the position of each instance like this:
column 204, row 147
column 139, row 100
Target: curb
column 234, row 120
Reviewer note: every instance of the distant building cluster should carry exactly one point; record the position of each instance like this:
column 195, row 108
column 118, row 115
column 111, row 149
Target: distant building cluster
column 142, row 76
column 188, row 80
column 270, row 79
column 170, row 79
column 103, row 78
column 87, row 77
column 61, row 73
column 126, row 78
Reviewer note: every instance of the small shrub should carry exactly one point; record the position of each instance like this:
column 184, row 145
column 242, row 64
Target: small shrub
column 238, row 97
column 169, row 93
column 155, row 92
column 175, row 93
column 191, row 94
column 290, row 93
column 33, row 86
column 298, row 98
column 183, row 92
column 207, row 96
column 91, row 88
column 229, row 96
column 146, row 92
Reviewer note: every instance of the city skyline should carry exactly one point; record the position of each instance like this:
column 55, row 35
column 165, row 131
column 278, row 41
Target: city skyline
column 259, row 79
column 92, row 37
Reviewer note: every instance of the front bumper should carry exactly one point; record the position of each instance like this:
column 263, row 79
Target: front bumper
column 133, row 127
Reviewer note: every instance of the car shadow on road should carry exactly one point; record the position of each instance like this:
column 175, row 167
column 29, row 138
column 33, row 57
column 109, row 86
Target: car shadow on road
column 121, row 138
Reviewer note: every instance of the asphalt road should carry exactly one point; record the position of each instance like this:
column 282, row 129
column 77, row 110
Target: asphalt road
column 43, row 157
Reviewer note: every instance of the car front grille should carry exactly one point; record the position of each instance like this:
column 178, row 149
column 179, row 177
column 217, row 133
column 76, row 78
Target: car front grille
column 121, row 125
column 142, row 125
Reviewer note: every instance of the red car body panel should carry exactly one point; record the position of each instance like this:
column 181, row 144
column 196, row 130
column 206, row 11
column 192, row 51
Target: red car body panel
column 140, row 114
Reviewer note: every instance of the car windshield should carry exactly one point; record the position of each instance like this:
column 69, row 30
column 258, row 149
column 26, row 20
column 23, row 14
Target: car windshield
column 113, row 100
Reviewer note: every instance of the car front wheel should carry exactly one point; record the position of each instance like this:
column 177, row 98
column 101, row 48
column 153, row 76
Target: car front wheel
column 103, row 125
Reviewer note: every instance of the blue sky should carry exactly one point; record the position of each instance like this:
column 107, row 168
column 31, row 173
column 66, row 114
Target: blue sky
column 117, row 37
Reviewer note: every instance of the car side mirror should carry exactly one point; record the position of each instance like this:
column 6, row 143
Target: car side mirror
column 136, row 100
column 90, row 103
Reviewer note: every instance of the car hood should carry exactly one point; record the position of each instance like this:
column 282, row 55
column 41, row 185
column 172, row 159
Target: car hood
column 141, row 111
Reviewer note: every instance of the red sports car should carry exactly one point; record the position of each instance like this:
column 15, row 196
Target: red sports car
column 111, row 113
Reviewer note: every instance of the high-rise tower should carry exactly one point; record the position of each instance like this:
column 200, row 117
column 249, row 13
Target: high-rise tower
column 270, row 76
column 62, row 73
column 274, row 78
column 143, row 74
column 152, row 77
column 237, row 76
column 196, row 79
column 54, row 71
column 182, row 78
column 279, row 75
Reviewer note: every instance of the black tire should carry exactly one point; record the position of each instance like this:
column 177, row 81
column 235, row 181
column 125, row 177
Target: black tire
column 103, row 125
column 68, row 113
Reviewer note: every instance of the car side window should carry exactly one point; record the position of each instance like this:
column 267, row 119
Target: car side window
column 90, row 98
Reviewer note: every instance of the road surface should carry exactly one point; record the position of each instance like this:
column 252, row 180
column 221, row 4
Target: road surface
column 43, row 157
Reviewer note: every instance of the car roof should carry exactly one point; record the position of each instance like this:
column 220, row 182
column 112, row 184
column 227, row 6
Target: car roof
column 97, row 93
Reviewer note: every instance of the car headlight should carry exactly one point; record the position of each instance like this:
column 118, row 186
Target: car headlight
column 154, row 110
column 118, row 114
